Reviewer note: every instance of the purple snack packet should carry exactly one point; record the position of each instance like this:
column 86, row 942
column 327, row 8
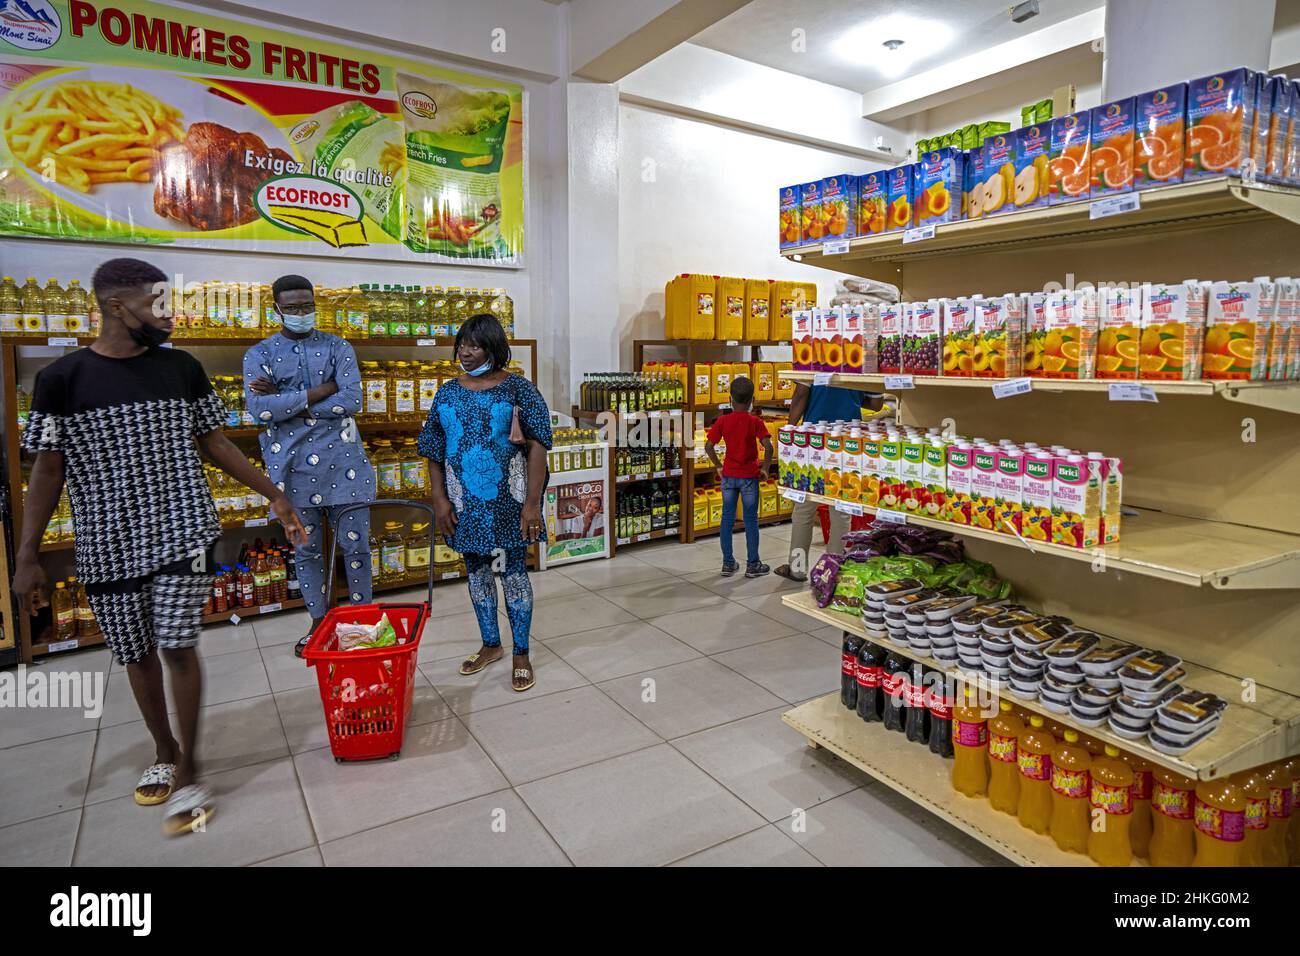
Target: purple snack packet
column 824, row 575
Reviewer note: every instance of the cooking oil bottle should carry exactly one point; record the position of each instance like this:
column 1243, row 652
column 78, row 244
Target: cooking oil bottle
column 326, row 308
column 439, row 317
column 392, row 553
column 374, row 389
column 457, row 308
column 503, row 307
column 78, row 309
column 354, row 323
column 266, row 306
column 63, row 607
column 403, row 382
column 388, row 469
column 11, row 309
column 415, row 471
column 377, row 307
column 56, row 308
column 418, row 303
column 32, row 303
column 399, row 313
column 419, row 549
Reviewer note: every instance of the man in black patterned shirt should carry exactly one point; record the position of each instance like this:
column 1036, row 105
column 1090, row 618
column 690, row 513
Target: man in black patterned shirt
column 122, row 423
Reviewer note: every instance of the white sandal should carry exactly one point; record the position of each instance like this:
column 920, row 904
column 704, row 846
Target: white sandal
column 191, row 808
column 159, row 775
column 527, row 673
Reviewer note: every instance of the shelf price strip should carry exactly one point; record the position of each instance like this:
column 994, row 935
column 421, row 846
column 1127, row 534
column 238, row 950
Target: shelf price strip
column 1012, row 386
column 1115, row 205
column 1131, row 392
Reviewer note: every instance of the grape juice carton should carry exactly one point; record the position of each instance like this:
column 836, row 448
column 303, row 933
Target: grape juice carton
column 1036, row 517
column 1119, row 329
column 1035, row 332
column 871, row 469
column 973, row 180
column 1033, row 149
column 938, row 189
column 784, row 458
column 892, row 318
column 999, row 174
column 1220, row 124
column 1009, row 503
column 958, row 335
column 873, row 198
column 911, row 472
column 840, row 206
column 984, row 488
column 817, row 460
column 803, row 345
column 961, row 463
column 921, row 340
column 1112, row 148
column 890, row 492
column 900, row 197
column 799, row 474
column 789, row 216
column 1159, row 133
column 1070, row 342
column 1076, row 501
column 1281, row 117
column 1000, row 334
column 1236, row 331
column 932, row 499
column 1069, row 164
column 1173, row 331
column 812, row 229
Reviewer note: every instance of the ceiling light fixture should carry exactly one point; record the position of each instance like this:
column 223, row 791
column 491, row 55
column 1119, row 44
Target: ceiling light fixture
column 1024, row 11
column 892, row 45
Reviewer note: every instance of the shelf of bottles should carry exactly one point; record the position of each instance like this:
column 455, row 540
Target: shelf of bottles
column 575, row 449
column 630, row 392
column 646, row 510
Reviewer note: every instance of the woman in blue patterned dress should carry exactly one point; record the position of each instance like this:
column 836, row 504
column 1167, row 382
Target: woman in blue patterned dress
column 487, row 488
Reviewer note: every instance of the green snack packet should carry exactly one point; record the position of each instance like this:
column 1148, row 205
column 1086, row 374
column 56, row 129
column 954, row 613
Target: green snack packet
column 1028, row 114
column 385, row 636
column 1043, row 110
column 971, row 137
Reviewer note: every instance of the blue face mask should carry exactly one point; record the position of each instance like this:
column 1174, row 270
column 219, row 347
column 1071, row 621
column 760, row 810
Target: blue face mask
column 299, row 323
column 481, row 370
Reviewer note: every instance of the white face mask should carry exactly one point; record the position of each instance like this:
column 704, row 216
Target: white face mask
column 481, row 370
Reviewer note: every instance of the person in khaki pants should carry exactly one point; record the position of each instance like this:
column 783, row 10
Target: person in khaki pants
column 820, row 403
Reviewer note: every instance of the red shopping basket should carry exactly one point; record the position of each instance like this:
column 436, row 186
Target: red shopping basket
column 367, row 693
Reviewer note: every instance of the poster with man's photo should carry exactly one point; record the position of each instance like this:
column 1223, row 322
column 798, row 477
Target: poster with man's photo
column 576, row 516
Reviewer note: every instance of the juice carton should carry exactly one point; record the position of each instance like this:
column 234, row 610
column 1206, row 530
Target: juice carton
column 1076, row 501
column 1112, row 484
column 1036, row 520
column 1035, row 332
column 789, row 216
column 1292, row 172
column 851, row 466
column 899, row 197
column 1173, row 330
column 1000, row 329
column 1009, row 503
column 720, row 387
column 938, row 191
column 961, row 463
column 892, row 317
column 889, row 472
column 873, row 197
column 999, row 174
column 911, row 471
column 833, row 464
column 1069, row 165
column 852, row 333
column 1263, row 122
column 984, row 488
column 730, row 299
column 784, row 386
column 1220, row 124
column 1033, row 148
column 1112, row 148
column 1236, row 332
column 840, row 206
column 1119, row 325
column 1288, row 324
column 921, row 340
column 958, row 332
column 1281, row 116
column 1160, row 125
column 973, row 176
column 833, row 338
column 932, row 497
column 764, row 382
column 1271, row 307
column 1069, row 345
column 803, row 343
column 799, row 474
column 812, row 227
column 758, row 301
column 784, row 457
column 871, row 469
column 817, row 460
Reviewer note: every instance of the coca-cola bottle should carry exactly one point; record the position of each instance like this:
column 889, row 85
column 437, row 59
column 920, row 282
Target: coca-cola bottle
column 870, row 670
column 941, row 699
column 916, row 724
column 895, row 685
column 849, row 670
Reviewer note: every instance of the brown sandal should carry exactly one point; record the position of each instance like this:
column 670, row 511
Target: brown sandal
column 475, row 663
column 522, row 674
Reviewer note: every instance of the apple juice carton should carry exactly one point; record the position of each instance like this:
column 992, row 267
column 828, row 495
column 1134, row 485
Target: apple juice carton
column 1173, row 331
column 811, row 227
column 973, row 184
column 803, row 346
column 921, row 341
column 900, row 197
column 1220, row 124
column 1282, row 94
column 889, row 474
column 911, row 471
column 1112, row 148
column 932, row 499
column 1160, row 124
column 1000, row 334
column 1119, row 329
column 958, row 336
column 871, row 468
column 999, row 173
column 1236, row 332
column 1009, row 503
column 840, row 206
column 789, row 221
column 891, row 337
column 938, row 188
column 1069, row 345
column 984, row 488
column 1069, row 164
column 873, row 197
column 1036, row 517
column 1033, row 148
column 1035, row 332
column 961, row 463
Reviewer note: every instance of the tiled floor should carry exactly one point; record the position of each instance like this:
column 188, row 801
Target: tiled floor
column 653, row 736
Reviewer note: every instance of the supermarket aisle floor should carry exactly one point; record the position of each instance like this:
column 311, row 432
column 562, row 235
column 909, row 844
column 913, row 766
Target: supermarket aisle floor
column 653, row 737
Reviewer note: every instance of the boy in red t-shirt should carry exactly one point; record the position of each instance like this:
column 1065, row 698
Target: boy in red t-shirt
column 742, row 431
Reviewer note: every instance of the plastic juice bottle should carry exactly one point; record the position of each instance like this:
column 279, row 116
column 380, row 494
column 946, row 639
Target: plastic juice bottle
column 64, row 611
column 1005, row 731
column 32, row 304
column 970, row 738
column 1220, row 823
column 1255, row 789
column 1280, row 810
column 1139, row 830
column 1070, row 819
column 1111, row 795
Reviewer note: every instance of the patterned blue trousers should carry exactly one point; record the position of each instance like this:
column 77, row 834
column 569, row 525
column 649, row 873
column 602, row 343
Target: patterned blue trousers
column 352, row 535
column 519, row 596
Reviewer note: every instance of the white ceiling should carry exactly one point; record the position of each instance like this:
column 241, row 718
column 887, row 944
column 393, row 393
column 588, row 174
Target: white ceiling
column 761, row 32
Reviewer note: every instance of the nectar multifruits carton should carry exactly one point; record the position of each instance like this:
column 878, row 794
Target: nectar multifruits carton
column 961, row 463
column 984, row 488
column 1009, row 503
column 1036, row 519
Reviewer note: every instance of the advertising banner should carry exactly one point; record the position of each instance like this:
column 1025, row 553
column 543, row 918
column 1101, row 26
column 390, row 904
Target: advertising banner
column 576, row 521
column 144, row 123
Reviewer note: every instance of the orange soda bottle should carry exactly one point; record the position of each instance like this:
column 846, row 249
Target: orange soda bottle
column 1070, row 763
column 1280, row 811
column 1034, row 760
column 1173, row 802
column 1111, row 792
column 970, row 739
column 1004, row 773
column 1220, row 823
column 1255, row 789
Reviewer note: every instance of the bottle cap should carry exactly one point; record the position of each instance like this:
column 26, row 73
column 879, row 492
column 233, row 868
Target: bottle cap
column 1035, row 721
column 1112, row 750
column 1004, row 706
column 1071, row 736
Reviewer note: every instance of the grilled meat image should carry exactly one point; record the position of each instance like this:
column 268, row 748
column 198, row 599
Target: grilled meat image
column 203, row 181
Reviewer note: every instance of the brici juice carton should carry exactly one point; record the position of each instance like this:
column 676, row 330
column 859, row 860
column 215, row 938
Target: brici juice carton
column 1000, row 330
column 873, row 197
column 900, row 197
column 1236, row 332
column 984, row 488
column 1035, row 332
column 784, row 458
column 851, row 466
column 932, row 498
column 1281, row 97
column 1112, row 148
column 1220, row 124
column 1069, row 164
column 938, row 187
column 1161, row 122
column 1120, row 324
column 1036, row 520
column 889, row 472
column 961, row 463
column 833, row 464
column 921, row 340
column 1173, row 331
column 959, row 341
column 817, row 459
column 911, row 471
column 840, row 206
column 1009, row 503
column 890, row 344
column 799, row 473
column 852, row 318
column 999, row 174
column 871, row 469
column 1069, row 345
column 1076, row 501
column 812, row 228
column 789, row 216
column 802, row 344
column 1033, row 152
column 973, row 177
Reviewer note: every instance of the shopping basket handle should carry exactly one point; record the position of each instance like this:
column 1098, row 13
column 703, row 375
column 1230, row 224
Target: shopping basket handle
column 382, row 503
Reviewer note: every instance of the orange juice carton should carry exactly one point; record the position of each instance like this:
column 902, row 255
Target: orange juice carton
column 1220, row 124
column 911, row 472
column 871, row 468
column 730, row 306
column 889, row 487
column 1009, row 503
column 758, row 301
column 840, row 206
column 1069, row 345
column 999, row 174
column 961, row 463
column 703, row 383
column 1288, row 324
column 900, row 197
column 1069, row 163
column 1292, row 173
column 1161, row 121
column 1112, row 148
column 1036, row 520
column 832, row 338
column 1262, row 124
column 1236, row 331
column 958, row 334
column 1035, row 332
column 851, row 466
column 1033, row 152
column 973, row 185
column 833, row 464
column 922, row 338
column 852, row 334
column 1120, row 324
column 1281, row 116
column 873, row 198
column 1275, row 306
column 984, row 488
column 1173, row 330
column 789, row 216
column 1000, row 334
column 932, row 498
column 812, row 227
column 939, row 186
column 892, row 319
column 804, row 342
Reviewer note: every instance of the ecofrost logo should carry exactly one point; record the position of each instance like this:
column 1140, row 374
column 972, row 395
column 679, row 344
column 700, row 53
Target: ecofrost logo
column 76, row 909
column 42, row 688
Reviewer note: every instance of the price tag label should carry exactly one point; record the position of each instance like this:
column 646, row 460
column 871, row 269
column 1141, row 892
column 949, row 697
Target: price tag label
column 896, row 382
column 643, row 476
column 643, row 537
column 255, row 523
column 624, row 540
column 169, row 345
column 622, row 480
column 787, row 401
column 656, row 414
column 661, row 474
column 836, row 247
column 268, row 608
column 849, row 508
column 668, row 531
column 235, row 619
column 919, row 233
column 426, row 341
column 822, row 378
column 891, row 517
column 675, row 472
column 449, row 575
column 733, row 342
column 793, row 494
column 1114, row 205
column 1131, row 392
column 57, row 646
column 1012, row 386
column 71, row 341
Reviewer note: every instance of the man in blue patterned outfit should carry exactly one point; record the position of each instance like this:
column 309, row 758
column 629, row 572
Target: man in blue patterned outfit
column 304, row 385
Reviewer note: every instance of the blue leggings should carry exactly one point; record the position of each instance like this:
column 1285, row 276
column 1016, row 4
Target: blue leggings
column 519, row 596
